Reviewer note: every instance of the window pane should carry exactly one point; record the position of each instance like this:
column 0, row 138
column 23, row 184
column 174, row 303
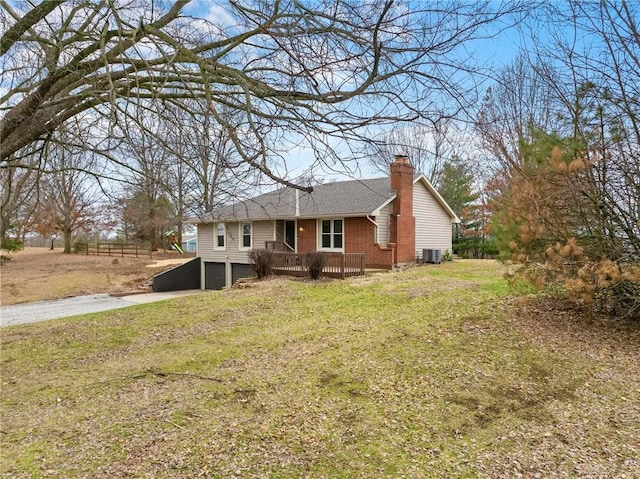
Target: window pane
column 326, row 241
column 337, row 226
column 337, row 241
column 246, row 235
column 326, row 226
column 220, row 235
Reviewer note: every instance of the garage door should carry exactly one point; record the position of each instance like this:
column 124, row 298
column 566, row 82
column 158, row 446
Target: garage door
column 214, row 276
column 241, row 271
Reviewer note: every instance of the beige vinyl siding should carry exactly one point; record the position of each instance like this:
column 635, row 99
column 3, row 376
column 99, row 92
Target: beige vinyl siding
column 205, row 241
column 262, row 231
column 233, row 253
column 433, row 224
column 383, row 224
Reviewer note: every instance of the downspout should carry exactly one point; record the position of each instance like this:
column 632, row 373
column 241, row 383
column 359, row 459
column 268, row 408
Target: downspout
column 297, row 203
column 377, row 229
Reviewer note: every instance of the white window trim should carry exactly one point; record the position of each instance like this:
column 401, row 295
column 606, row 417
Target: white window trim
column 215, row 237
column 241, row 236
column 319, row 238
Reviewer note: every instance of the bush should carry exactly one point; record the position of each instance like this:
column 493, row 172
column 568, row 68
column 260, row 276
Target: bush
column 10, row 246
column 261, row 261
column 603, row 286
column 315, row 262
column 565, row 242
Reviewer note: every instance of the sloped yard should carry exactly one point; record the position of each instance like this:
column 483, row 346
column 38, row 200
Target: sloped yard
column 37, row 274
column 432, row 372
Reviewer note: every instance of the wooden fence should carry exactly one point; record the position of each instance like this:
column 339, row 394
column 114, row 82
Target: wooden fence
column 338, row 265
column 114, row 249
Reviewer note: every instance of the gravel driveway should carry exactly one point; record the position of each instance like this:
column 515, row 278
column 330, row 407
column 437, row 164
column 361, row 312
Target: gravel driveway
column 62, row 308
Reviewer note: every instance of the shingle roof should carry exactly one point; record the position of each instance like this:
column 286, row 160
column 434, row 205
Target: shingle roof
column 344, row 198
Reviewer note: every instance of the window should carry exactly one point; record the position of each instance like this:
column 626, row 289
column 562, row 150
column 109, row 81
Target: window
column 245, row 235
column 221, row 231
column 331, row 235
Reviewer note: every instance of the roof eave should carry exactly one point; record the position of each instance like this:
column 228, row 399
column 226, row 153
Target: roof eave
column 358, row 214
column 378, row 210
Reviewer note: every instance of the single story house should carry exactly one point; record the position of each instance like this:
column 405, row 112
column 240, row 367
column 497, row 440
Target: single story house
column 387, row 219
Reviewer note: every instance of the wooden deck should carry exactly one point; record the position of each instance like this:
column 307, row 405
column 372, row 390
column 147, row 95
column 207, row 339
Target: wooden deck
column 339, row 265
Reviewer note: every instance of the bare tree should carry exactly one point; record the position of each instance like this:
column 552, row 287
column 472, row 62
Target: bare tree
column 144, row 201
column 179, row 163
column 19, row 190
column 293, row 73
column 211, row 171
column 428, row 147
column 518, row 103
column 69, row 198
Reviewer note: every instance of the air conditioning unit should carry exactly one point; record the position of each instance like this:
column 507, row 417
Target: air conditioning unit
column 432, row 256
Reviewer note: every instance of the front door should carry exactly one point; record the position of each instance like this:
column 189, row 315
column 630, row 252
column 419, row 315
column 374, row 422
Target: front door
column 290, row 233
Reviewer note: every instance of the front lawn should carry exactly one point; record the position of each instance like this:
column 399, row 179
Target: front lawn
column 431, row 372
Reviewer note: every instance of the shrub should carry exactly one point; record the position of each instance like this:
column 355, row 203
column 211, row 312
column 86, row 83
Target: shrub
column 558, row 227
column 261, row 261
column 315, row 261
column 604, row 286
column 10, row 246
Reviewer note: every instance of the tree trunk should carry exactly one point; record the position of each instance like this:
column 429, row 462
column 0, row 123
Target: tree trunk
column 67, row 241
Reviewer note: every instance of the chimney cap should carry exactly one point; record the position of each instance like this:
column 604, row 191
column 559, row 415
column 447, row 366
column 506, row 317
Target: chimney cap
column 401, row 159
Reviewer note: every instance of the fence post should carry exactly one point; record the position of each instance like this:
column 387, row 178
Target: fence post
column 342, row 264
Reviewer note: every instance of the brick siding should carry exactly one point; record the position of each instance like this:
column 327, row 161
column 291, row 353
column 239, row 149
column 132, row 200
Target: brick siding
column 307, row 238
column 403, row 226
column 360, row 238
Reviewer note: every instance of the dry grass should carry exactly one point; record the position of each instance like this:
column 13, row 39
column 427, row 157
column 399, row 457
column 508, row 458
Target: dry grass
column 432, row 372
column 39, row 273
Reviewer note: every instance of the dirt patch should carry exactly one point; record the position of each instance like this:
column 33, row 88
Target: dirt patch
column 39, row 273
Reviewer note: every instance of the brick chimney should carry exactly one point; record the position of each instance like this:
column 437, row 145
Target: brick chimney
column 403, row 229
